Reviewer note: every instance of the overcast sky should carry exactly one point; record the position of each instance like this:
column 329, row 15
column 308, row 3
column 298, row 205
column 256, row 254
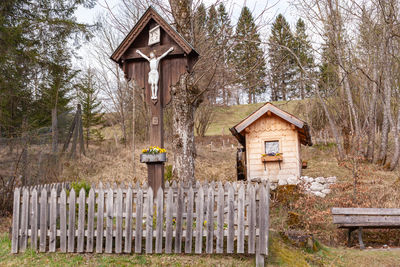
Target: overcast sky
column 270, row 9
column 256, row 6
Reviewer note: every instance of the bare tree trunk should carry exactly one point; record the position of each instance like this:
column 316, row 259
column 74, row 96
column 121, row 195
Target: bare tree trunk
column 371, row 119
column 70, row 132
column 342, row 75
column 54, row 130
column 183, row 122
column 87, row 137
column 185, row 100
column 386, row 116
column 80, row 129
column 75, row 136
column 396, row 154
column 332, row 126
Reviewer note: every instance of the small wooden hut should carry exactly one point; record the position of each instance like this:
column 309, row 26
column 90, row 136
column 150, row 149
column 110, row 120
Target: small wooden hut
column 271, row 139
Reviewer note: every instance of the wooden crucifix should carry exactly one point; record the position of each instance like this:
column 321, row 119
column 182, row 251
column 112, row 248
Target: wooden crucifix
column 155, row 56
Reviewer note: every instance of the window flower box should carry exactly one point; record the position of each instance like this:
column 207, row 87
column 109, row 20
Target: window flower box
column 153, row 154
column 271, row 158
column 153, row 158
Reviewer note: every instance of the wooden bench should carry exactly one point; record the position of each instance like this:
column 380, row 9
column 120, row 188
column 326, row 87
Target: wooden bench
column 359, row 218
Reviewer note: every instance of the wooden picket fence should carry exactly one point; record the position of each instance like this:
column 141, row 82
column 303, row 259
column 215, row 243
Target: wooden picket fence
column 127, row 219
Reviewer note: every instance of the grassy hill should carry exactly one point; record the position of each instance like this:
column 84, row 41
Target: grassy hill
column 226, row 117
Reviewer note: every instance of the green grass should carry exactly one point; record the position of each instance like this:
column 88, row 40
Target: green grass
column 281, row 254
column 227, row 117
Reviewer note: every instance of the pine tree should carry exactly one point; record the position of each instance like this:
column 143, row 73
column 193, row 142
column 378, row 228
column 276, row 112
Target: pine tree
column 200, row 20
column 224, row 40
column 36, row 59
column 281, row 60
column 248, row 57
column 212, row 23
column 303, row 50
column 88, row 97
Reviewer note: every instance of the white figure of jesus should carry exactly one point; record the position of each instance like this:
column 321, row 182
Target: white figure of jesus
column 153, row 74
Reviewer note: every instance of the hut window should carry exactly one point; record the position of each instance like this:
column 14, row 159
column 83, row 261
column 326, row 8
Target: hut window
column 271, row 147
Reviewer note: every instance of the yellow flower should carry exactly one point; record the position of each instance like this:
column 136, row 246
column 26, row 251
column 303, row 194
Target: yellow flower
column 205, row 222
column 144, row 150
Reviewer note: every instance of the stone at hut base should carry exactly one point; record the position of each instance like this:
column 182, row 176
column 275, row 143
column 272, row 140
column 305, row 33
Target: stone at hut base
column 320, row 180
column 319, row 194
column 326, row 191
column 293, row 180
column 315, row 186
column 331, row 180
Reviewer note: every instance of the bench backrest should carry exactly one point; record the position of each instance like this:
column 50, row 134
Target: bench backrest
column 373, row 217
column 127, row 217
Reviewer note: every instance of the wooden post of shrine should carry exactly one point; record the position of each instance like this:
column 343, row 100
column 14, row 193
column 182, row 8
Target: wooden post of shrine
column 155, row 55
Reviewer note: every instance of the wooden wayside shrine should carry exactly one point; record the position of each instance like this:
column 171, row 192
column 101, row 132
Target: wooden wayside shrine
column 152, row 34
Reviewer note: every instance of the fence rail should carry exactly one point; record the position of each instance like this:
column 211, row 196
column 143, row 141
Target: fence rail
column 208, row 218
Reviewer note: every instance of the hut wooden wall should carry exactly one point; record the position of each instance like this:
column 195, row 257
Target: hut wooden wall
column 270, row 128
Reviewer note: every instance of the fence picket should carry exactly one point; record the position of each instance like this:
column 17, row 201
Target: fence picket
column 81, row 221
column 199, row 218
column 168, row 221
column 231, row 219
column 210, row 219
column 149, row 221
column 189, row 221
column 128, row 221
column 71, row 221
column 34, row 220
column 90, row 222
column 53, row 220
column 240, row 237
column 100, row 220
column 43, row 220
column 261, row 216
column 267, row 217
column 24, row 220
column 109, row 220
column 118, row 232
column 178, row 229
column 160, row 215
column 63, row 221
column 251, row 217
column 220, row 219
column 139, row 221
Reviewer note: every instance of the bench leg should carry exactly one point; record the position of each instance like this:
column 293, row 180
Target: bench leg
column 360, row 238
column 349, row 236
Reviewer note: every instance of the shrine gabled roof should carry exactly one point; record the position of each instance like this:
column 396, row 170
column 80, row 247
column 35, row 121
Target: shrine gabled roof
column 151, row 13
column 301, row 126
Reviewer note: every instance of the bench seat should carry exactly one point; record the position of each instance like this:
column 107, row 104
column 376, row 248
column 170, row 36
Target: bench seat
column 371, row 218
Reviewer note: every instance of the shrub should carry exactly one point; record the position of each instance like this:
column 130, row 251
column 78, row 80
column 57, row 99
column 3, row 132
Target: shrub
column 77, row 186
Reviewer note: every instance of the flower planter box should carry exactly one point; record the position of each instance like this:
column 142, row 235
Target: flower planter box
column 153, row 158
column 272, row 158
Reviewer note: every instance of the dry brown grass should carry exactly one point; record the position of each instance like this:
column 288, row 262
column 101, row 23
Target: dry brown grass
column 108, row 163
